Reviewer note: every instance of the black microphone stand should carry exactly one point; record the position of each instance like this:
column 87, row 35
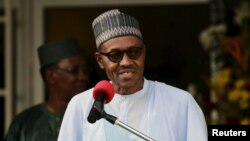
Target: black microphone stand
column 99, row 112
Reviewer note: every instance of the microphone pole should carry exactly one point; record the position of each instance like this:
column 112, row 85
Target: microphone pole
column 114, row 120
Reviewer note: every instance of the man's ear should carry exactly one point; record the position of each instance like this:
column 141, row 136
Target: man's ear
column 99, row 60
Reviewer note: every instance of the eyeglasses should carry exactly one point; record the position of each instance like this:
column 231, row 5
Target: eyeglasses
column 117, row 55
column 75, row 70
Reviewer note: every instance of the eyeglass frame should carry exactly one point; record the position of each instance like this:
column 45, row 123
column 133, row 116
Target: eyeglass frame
column 140, row 50
column 75, row 70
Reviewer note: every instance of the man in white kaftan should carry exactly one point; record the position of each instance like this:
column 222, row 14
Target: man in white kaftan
column 160, row 111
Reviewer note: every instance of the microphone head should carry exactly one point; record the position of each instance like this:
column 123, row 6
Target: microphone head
column 106, row 88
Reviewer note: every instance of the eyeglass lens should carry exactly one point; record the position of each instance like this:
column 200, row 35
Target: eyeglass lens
column 117, row 55
column 75, row 70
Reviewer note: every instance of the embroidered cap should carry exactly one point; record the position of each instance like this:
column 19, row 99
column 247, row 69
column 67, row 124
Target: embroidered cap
column 54, row 51
column 114, row 23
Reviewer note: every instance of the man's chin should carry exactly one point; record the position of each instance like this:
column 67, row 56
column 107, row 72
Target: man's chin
column 126, row 84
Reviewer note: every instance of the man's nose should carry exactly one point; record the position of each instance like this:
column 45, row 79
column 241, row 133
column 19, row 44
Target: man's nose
column 125, row 60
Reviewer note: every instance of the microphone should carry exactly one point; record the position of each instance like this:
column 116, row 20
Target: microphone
column 103, row 93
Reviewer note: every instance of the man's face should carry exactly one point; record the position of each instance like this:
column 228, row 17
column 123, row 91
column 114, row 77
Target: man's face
column 70, row 76
column 126, row 72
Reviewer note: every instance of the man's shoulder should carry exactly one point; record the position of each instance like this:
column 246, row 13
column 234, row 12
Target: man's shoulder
column 84, row 94
column 167, row 87
column 28, row 115
column 169, row 91
column 30, row 112
column 83, row 97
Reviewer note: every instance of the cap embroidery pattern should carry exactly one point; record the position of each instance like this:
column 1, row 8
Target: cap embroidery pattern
column 114, row 23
